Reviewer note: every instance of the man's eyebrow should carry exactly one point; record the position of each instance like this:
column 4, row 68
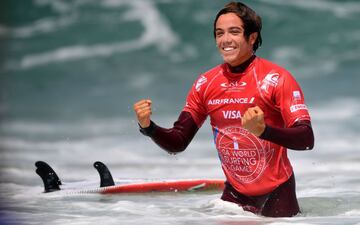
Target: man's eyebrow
column 230, row 28
column 236, row 27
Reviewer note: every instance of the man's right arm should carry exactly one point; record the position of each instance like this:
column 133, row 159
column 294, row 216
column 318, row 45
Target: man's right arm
column 172, row 140
column 175, row 139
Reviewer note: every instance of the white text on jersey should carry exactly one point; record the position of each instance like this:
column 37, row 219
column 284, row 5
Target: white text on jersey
column 231, row 114
column 231, row 101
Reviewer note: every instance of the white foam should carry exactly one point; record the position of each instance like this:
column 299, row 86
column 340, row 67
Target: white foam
column 56, row 5
column 289, row 223
column 334, row 126
column 75, row 52
column 337, row 108
column 41, row 26
column 114, row 3
column 157, row 32
column 224, row 208
column 316, row 66
column 338, row 144
column 339, row 9
column 331, row 176
column 141, row 81
column 85, row 126
column 354, row 212
column 157, row 29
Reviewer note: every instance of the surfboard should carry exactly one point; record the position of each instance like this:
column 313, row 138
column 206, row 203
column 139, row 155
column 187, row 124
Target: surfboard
column 108, row 186
column 167, row 186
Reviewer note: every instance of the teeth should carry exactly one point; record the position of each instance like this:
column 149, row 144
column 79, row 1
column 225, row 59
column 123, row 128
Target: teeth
column 228, row 48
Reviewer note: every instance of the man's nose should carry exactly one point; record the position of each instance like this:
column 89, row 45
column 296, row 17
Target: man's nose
column 226, row 37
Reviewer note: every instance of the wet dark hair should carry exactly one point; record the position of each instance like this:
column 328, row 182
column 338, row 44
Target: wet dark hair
column 252, row 22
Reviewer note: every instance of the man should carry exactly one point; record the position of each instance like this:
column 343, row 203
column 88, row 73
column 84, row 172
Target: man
column 256, row 111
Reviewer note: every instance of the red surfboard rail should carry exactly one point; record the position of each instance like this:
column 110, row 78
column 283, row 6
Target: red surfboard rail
column 167, row 186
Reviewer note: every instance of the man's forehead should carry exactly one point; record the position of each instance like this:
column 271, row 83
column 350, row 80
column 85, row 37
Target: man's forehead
column 229, row 20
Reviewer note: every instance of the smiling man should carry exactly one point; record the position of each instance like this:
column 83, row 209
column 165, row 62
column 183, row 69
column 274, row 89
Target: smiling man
column 234, row 44
column 257, row 111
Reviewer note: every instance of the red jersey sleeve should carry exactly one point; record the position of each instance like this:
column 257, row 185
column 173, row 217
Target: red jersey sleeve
column 194, row 101
column 290, row 100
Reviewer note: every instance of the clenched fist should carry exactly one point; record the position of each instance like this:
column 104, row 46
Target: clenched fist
column 143, row 112
column 253, row 121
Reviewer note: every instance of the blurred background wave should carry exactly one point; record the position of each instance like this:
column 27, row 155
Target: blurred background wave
column 70, row 71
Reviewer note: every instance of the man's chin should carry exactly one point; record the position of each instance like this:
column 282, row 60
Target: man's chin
column 227, row 59
column 231, row 62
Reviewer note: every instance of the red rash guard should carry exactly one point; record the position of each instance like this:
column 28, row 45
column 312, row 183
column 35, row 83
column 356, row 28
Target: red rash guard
column 253, row 166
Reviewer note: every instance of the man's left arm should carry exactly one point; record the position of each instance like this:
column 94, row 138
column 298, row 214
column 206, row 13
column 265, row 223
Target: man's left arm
column 299, row 136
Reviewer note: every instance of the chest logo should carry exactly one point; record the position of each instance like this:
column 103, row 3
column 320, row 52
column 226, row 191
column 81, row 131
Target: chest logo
column 225, row 101
column 231, row 114
column 233, row 86
column 243, row 155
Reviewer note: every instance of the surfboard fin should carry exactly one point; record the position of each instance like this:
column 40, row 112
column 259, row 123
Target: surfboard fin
column 105, row 175
column 48, row 176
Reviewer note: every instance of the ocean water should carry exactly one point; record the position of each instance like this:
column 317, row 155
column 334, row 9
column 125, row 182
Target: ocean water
column 70, row 71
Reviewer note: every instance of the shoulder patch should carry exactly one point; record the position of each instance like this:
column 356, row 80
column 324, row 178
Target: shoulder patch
column 271, row 80
column 202, row 80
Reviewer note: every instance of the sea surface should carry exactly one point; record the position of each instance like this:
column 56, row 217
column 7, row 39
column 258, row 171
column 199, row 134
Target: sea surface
column 70, row 71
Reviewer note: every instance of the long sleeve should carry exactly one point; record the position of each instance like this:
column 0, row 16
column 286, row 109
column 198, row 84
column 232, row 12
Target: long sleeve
column 175, row 139
column 298, row 137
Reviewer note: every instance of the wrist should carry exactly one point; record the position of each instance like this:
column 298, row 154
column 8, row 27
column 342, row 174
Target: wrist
column 149, row 130
column 265, row 133
column 262, row 130
column 144, row 126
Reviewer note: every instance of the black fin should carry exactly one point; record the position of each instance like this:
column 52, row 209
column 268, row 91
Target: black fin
column 48, row 175
column 105, row 175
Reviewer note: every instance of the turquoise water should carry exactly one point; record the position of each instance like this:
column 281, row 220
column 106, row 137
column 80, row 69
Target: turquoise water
column 71, row 70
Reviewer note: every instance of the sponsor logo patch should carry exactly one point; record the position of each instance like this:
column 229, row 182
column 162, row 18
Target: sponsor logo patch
column 202, row 80
column 233, row 86
column 231, row 114
column 270, row 80
column 296, row 96
column 224, row 101
column 298, row 107
column 242, row 154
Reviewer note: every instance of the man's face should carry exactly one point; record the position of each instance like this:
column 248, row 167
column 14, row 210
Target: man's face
column 231, row 41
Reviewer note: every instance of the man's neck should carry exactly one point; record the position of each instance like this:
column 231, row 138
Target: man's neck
column 242, row 67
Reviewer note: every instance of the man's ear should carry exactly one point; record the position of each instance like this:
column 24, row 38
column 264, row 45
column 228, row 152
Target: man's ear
column 253, row 37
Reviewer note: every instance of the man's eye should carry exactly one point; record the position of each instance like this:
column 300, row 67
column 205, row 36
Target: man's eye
column 219, row 34
column 235, row 31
